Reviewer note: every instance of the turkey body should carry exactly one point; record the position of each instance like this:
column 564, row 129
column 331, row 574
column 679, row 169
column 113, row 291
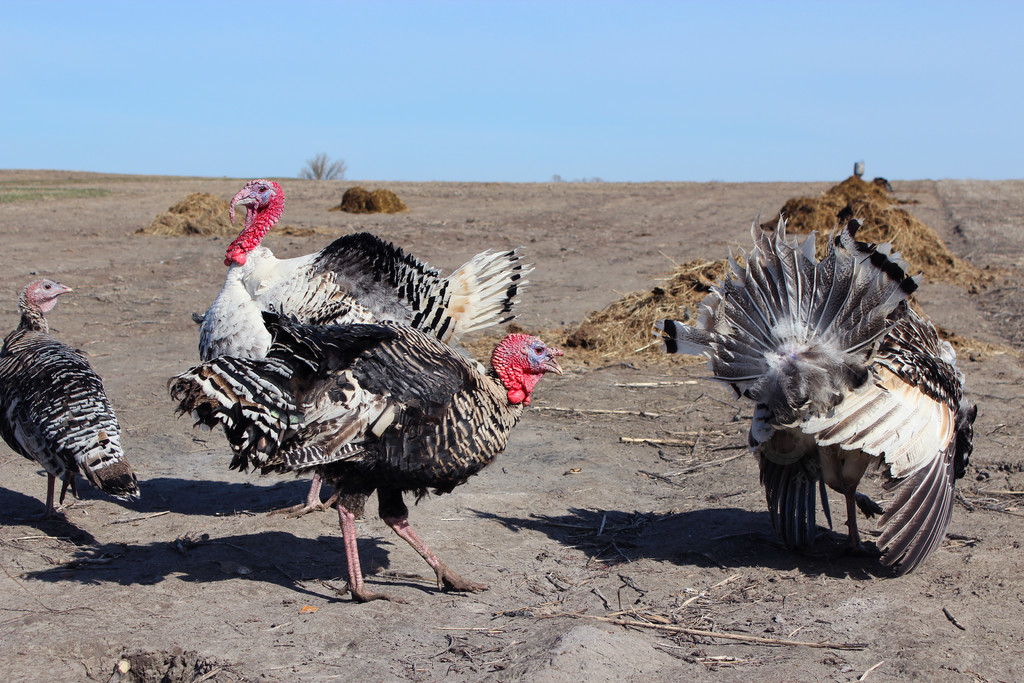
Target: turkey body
column 370, row 407
column 54, row 411
column 844, row 377
column 358, row 278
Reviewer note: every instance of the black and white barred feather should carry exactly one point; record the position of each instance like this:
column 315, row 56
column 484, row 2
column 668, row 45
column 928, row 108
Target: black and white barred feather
column 381, row 401
column 360, row 278
column 54, row 411
column 843, row 374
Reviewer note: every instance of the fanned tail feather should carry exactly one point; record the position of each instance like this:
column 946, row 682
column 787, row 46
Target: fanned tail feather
column 792, row 332
column 479, row 294
column 790, row 491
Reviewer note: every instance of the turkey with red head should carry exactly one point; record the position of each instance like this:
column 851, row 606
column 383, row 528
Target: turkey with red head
column 53, row 409
column 844, row 376
column 358, row 278
column 382, row 407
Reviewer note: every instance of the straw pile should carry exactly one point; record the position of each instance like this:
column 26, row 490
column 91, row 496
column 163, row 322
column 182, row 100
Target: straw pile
column 359, row 200
column 625, row 327
column 883, row 221
column 197, row 214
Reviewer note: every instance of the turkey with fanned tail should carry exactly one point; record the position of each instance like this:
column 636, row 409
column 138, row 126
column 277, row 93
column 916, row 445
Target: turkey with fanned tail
column 844, row 376
column 369, row 407
column 53, row 409
column 358, row 278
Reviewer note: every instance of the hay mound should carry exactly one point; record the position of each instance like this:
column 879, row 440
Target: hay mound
column 626, row 326
column 359, row 200
column 197, row 214
column 883, row 222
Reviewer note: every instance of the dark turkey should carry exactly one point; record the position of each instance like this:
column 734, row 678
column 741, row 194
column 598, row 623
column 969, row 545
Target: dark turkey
column 369, row 407
column 844, row 376
column 53, row 409
column 357, row 278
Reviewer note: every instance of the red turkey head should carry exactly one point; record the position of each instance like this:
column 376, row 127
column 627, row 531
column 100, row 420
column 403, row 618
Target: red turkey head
column 520, row 361
column 263, row 201
column 42, row 294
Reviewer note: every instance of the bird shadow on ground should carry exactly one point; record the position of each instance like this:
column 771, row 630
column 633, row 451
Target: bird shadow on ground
column 718, row 537
column 213, row 497
column 18, row 509
column 312, row 566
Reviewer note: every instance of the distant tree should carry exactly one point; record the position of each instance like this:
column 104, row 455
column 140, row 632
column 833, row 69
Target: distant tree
column 557, row 179
column 321, row 167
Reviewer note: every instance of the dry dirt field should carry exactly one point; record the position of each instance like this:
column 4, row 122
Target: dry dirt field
column 574, row 527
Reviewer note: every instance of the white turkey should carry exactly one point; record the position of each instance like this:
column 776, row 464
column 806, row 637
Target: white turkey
column 844, row 376
column 380, row 407
column 357, row 278
column 53, row 409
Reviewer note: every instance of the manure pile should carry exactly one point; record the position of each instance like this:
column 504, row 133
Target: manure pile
column 625, row 327
column 883, row 221
column 197, row 214
column 359, row 200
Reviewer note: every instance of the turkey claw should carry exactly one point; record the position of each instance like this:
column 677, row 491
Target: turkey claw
column 449, row 580
column 299, row 510
column 363, row 595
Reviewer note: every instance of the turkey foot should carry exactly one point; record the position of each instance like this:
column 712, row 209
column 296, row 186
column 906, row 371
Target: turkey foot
column 311, row 504
column 362, row 595
column 446, row 578
column 869, row 507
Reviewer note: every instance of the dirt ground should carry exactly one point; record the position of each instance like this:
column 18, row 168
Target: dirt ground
column 574, row 526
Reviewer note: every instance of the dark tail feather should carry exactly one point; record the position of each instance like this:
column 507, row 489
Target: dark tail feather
column 791, row 494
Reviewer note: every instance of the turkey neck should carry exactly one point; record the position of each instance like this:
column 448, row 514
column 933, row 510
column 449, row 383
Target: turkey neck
column 31, row 317
column 256, row 229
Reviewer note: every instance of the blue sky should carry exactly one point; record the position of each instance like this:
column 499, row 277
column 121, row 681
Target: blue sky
column 516, row 91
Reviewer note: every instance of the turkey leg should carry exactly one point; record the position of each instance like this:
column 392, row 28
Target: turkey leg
column 355, row 571
column 446, row 578
column 312, row 502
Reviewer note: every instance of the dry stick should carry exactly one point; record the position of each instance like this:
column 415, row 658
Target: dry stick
column 601, row 411
column 953, row 620
column 720, row 634
column 210, row 674
column 654, row 442
column 865, row 674
column 717, row 585
column 707, row 464
column 139, row 519
column 646, row 385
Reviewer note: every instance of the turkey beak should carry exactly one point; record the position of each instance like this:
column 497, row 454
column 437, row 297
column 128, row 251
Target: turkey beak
column 550, row 364
column 62, row 289
column 244, row 201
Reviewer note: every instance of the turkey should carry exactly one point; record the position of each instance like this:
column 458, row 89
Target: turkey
column 357, row 278
column 53, row 409
column 380, row 407
column 844, row 376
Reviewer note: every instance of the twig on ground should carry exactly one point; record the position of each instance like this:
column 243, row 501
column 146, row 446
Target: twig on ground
column 645, row 385
column 865, row 674
column 139, row 518
column 718, row 634
column 601, row 411
column 953, row 620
